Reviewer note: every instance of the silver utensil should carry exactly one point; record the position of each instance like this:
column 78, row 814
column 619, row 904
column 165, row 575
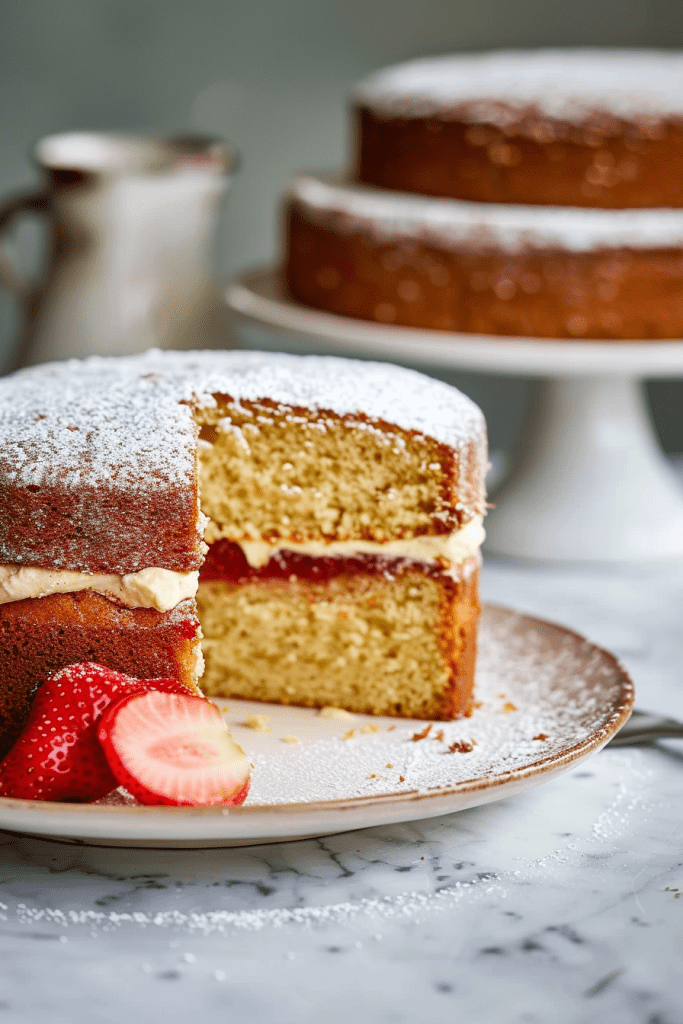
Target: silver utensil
column 643, row 727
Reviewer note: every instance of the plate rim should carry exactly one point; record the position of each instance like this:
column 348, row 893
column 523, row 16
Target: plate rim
column 246, row 294
column 620, row 712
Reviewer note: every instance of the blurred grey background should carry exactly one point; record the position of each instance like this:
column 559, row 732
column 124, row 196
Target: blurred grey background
column 272, row 77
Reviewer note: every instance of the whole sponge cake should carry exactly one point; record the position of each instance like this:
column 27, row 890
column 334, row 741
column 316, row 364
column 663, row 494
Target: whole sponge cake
column 342, row 503
column 520, row 194
column 601, row 128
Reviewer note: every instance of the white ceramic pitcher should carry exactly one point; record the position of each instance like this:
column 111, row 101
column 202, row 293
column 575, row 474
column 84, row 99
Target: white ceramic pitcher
column 129, row 265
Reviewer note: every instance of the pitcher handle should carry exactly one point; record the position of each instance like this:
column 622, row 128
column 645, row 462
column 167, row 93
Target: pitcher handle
column 33, row 202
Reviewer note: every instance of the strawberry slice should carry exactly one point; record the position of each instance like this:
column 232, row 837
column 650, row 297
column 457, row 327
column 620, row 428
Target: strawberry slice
column 57, row 756
column 170, row 749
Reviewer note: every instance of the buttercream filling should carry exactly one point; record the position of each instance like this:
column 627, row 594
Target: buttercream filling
column 156, row 588
column 163, row 589
column 454, row 548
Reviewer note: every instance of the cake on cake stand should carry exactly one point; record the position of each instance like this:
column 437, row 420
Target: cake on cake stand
column 592, row 484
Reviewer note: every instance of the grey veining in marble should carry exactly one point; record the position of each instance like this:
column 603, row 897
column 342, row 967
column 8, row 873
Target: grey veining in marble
column 559, row 906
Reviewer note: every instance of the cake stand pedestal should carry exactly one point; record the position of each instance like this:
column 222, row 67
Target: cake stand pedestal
column 591, row 484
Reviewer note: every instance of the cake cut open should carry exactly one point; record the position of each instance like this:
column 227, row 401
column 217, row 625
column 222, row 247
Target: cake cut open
column 313, row 524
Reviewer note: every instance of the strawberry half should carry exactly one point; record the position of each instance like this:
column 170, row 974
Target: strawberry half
column 170, row 749
column 58, row 756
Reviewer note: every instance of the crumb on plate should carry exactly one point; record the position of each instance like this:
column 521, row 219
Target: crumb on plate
column 259, row 723
column 337, row 714
column 461, row 747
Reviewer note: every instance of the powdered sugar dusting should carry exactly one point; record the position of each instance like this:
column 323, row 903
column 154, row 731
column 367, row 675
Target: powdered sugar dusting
column 400, row 905
column 540, row 690
column 389, row 215
column 122, row 421
column 565, row 84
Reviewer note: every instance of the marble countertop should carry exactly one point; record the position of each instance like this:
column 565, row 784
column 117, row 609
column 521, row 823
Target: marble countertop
column 558, row 906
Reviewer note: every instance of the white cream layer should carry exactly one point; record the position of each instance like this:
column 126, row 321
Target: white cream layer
column 163, row 589
column 156, row 588
column 454, row 547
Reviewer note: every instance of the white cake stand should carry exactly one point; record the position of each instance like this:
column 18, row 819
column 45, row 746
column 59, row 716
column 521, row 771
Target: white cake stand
column 592, row 484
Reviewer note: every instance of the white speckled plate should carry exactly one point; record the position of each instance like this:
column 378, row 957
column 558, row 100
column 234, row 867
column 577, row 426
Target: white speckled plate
column 546, row 699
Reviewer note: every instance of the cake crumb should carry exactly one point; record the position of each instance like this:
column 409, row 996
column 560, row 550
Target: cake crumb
column 390, row 766
column 370, row 727
column 259, row 723
column 348, row 735
column 338, row 714
column 541, row 736
column 372, row 776
column 401, row 778
column 508, row 706
column 461, row 747
column 422, row 735
column 439, row 736
column 290, row 739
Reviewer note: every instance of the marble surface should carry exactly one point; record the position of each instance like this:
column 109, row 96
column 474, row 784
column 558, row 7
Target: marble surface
column 556, row 907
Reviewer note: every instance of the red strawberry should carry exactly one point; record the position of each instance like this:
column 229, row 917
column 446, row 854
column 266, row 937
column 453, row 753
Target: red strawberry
column 57, row 756
column 170, row 749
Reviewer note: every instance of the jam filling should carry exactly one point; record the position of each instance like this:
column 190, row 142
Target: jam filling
column 226, row 561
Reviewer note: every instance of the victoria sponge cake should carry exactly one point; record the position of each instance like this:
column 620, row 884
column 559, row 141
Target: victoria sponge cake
column 295, row 529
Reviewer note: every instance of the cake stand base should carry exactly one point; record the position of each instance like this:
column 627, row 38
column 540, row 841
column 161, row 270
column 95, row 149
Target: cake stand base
column 591, row 484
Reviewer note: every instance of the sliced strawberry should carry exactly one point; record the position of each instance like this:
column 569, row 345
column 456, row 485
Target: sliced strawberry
column 57, row 756
column 170, row 749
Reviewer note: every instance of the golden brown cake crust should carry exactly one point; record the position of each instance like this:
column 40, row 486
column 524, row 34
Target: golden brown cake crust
column 349, row 268
column 100, row 529
column 39, row 637
column 577, row 127
column 602, row 162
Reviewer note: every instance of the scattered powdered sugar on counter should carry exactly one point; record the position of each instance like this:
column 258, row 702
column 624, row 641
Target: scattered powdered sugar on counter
column 540, row 692
column 401, row 905
column 589, row 835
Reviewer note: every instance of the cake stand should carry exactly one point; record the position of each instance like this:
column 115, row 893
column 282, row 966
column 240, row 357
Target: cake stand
column 592, row 484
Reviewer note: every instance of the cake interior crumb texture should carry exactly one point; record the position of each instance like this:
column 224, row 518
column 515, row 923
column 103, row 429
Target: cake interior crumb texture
column 297, row 475
column 365, row 643
column 391, row 642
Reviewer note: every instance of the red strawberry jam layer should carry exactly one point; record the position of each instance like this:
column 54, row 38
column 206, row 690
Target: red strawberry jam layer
column 226, row 561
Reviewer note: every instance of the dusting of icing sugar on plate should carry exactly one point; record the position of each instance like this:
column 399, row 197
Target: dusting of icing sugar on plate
column 537, row 695
column 547, row 698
